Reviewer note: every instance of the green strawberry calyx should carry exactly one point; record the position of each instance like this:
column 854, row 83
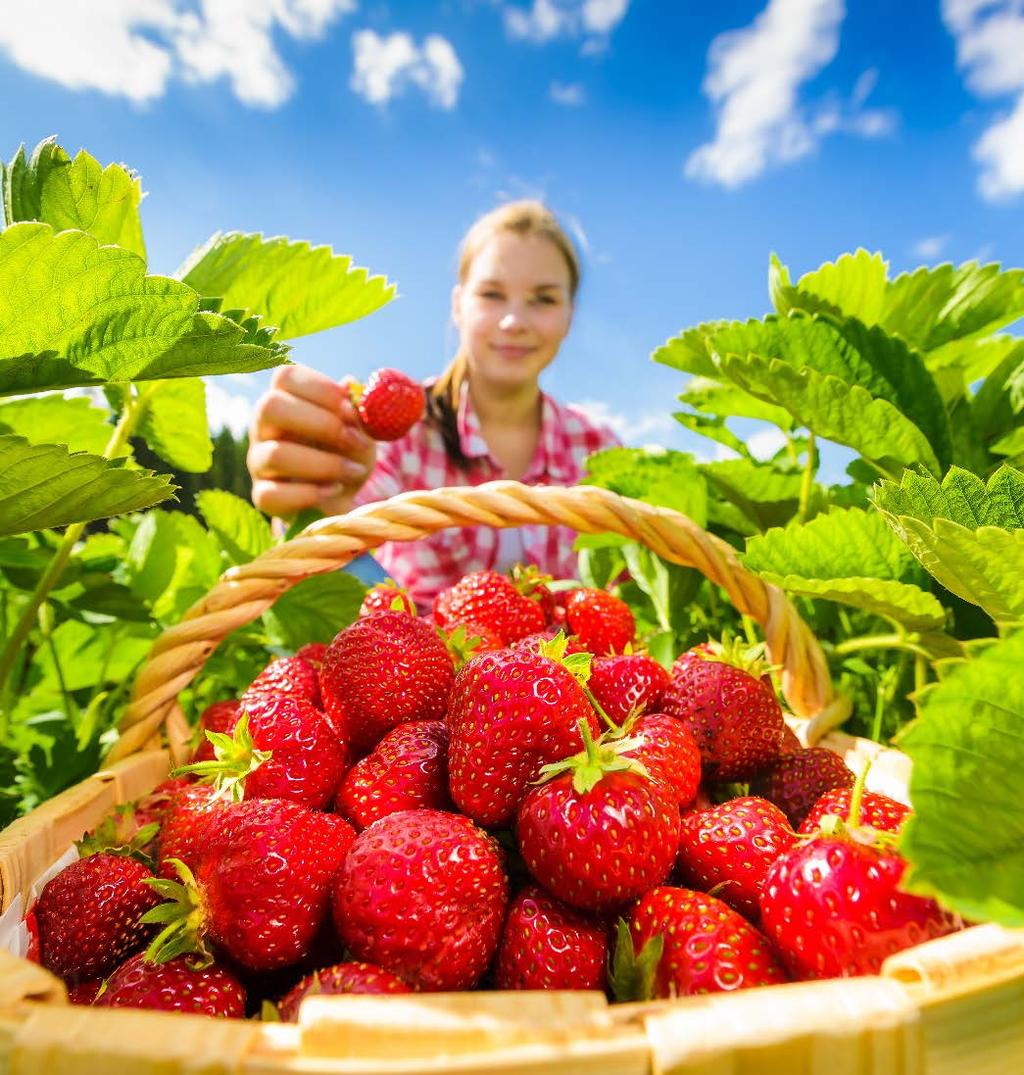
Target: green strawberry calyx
column 115, row 836
column 183, row 918
column 462, row 644
column 528, row 580
column 850, row 827
column 598, row 757
column 631, row 973
column 236, row 758
column 739, row 653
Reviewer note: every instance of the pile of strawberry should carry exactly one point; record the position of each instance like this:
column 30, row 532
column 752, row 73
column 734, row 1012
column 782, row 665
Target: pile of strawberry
column 505, row 794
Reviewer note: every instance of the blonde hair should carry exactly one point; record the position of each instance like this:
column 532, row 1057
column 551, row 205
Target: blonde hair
column 526, row 218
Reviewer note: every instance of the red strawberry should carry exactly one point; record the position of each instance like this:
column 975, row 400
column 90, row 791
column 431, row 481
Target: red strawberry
column 261, row 887
column 286, row 675
column 531, row 582
column 175, row 986
column 603, row 622
column 422, row 894
column 220, row 717
column 598, row 832
column 796, row 781
column 548, row 945
column 390, row 404
column 511, row 712
column 88, row 915
column 788, row 742
column 387, row 597
column 876, row 810
column 732, row 846
column 489, row 600
column 282, row 749
column 152, row 808
column 668, row 752
column 183, row 832
column 383, row 670
column 729, row 707
column 85, row 992
column 407, row 770
column 341, row 978
column 468, row 640
column 627, row 683
column 313, row 653
column 834, row 908
column 706, row 947
column 549, row 634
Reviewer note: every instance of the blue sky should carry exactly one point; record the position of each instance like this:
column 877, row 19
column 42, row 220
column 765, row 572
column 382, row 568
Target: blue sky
column 682, row 141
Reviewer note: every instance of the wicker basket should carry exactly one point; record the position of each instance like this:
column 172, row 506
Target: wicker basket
column 952, row 1005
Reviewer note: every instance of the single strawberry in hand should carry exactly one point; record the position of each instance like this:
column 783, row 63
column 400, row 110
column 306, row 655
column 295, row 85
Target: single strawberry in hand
column 89, row 915
column 389, row 405
column 626, row 684
column 547, row 944
column 796, row 781
column 489, row 600
column 599, row 831
column 341, row 978
column 180, row 985
column 732, row 846
column 876, row 810
column 383, row 670
column 422, row 894
column 512, row 712
column 833, row 905
column 407, row 770
column 603, row 622
column 725, row 698
column 682, row 943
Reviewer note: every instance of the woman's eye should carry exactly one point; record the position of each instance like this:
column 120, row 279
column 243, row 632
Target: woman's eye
column 547, row 300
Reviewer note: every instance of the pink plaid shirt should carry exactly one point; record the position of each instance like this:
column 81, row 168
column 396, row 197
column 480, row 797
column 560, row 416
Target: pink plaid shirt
column 418, row 461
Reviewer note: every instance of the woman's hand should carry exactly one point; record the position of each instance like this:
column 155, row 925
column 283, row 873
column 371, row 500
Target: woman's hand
column 307, row 448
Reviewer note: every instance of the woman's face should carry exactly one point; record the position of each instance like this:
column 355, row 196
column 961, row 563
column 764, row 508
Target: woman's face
column 513, row 309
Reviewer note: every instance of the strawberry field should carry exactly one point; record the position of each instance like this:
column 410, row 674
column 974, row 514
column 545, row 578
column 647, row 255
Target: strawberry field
column 622, row 782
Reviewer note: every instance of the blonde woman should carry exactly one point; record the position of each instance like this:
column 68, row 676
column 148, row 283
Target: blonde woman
column 487, row 417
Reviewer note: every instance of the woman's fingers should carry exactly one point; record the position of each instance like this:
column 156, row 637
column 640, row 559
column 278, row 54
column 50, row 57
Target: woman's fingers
column 282, row 459
column 285, row 499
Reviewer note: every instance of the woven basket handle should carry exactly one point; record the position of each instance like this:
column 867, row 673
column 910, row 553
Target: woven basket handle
column 245, row 592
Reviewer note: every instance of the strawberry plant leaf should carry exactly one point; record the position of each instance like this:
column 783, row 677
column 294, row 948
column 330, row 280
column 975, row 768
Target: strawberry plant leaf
column 90, row 657
column 80, row 194
column 967, row 748
column 242, row 531
column 836, row 410
column 74, row 423
column 765, row 495
column 930, row 308
column 75, row 313
column 714, row 428
column 862, row 356
column 45, row 485
column 294, row 286
column 968, row 534
column 852, row 557
column 174, row 423
column 730, row 401
column 854, row 284
column 315, row 610
column 689, row 351
column 666, row 478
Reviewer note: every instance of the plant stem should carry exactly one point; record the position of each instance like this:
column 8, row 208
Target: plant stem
column 891, row 641
column 133, row 410
column 807, row 485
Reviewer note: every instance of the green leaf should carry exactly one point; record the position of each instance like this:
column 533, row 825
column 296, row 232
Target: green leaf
column 242, row 531
column 1012, row 444
column 969, row 535
column 689, row 351
column 714, row 429
column 45, row 485
column 729, row 401
column 669, row 586
column 766, row 496
column 666, row 478
column 74, row 423
column 932, row 307
column 174, row 423
column 296, row 287
column 80, row 194
column 315, row 610
column 854, row 284
column 836, row 410
column 852, row 557
column 847, row 349
column 75, row 313
column 91, row 655
column 967, row 748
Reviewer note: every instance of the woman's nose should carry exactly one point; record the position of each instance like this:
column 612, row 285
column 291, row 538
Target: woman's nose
column 511, row 319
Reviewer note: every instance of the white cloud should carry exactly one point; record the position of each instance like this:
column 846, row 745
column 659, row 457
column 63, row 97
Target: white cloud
column 753, row 80
column 133, row 48
column 385, row 66
column 227, row 408
column 989, row 37
column 570, row 94
column 633, row 429
column 930, row 247
column 766, row 442
column 545, row 20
